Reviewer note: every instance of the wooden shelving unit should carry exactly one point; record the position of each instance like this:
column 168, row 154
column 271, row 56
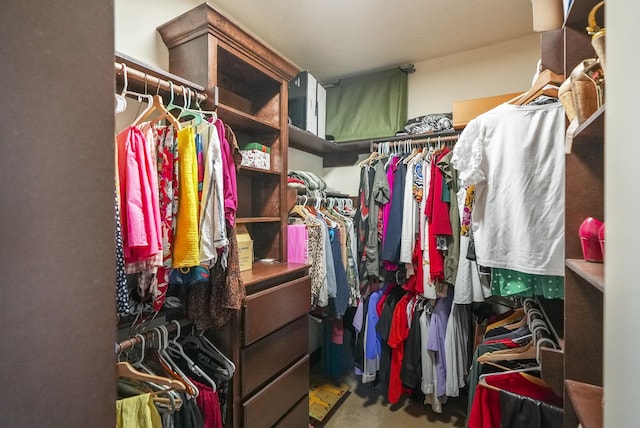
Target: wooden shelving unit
column 584, row 281
column 267, row 341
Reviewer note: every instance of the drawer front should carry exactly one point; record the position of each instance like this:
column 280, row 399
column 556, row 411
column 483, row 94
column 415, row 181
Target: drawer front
column 271, row 354
column 272, row 402
column 270, row 309
column 298, row 417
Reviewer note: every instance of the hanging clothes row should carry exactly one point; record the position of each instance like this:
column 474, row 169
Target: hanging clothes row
column 321, row 233
column 409, row 332
column 505, row 385
column 176, row 198
column 179, row 382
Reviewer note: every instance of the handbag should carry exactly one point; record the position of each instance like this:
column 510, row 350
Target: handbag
column 587, row 88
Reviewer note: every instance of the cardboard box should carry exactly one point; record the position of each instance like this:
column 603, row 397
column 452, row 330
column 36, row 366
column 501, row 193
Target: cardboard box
column 245, row 247
column 464, row 111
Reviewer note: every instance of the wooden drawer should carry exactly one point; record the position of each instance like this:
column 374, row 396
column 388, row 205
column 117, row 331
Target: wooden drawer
column 271, row 354
column 270, row 309
column 298, row 417
column 272, row 402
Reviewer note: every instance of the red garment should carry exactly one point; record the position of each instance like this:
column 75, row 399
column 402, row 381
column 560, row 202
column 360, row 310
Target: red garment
column 485, row 410
column 397, row 336
column 380, row 304
column 437, row 213
column 208, row 403
column 509, row 343
column 417, row 264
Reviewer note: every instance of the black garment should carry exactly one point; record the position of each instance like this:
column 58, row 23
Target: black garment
column 496, row 332
column 393, row 236
column 358, row 356
column 189, row 415
column 341, row 301
column 517, row 411
column 411, row 369
column 383, row 328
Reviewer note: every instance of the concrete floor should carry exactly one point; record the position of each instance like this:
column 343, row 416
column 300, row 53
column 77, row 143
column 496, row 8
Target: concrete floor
column 367, row 407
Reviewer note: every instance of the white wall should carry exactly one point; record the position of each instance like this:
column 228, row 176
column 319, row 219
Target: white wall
column 622, row 196
column 493, row 70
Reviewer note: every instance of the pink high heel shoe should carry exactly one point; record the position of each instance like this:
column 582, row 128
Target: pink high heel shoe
column 591, row 249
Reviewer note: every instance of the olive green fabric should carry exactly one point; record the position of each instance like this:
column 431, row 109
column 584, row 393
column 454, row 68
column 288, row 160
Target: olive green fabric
column 368, row 106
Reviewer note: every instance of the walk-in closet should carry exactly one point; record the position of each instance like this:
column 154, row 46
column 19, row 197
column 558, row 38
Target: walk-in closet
column 236, row 214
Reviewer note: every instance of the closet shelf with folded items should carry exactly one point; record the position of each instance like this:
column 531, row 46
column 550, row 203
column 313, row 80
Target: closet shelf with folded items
column 505, row 385
column 167, row 378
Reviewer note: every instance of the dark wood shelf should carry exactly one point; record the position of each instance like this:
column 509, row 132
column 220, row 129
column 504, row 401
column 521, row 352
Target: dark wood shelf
column 332, row 153
column 587, row 402
column 258, row 171
column 244, row 220
column 579, row 10
column 592, row 130
column 592, row 273
column 345, row 153
column 261, row 271
column 245, row 122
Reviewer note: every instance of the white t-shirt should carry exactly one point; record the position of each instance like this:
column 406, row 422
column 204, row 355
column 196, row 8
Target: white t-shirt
column 515, row 156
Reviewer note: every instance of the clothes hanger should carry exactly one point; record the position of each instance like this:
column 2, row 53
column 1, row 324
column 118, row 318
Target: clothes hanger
column 163, row 355
column 186, row 113
column 173, row 347
column 120, row 100
column 204, row 345
column 300, row 211
column 140, row 97
column 544, row 79
column 126, row 370
column 191, row 390
column 156, row 106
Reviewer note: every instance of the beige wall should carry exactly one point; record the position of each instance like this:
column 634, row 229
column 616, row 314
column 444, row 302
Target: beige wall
column 135, row 27
column 492, row 70
column 436, row 84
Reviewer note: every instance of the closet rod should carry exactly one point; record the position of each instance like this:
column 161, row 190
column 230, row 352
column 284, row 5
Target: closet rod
column 430, row 139
column 148, row 336
column 167, row 85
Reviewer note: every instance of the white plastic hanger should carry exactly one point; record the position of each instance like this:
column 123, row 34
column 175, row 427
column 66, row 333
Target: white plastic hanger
column 174, row 347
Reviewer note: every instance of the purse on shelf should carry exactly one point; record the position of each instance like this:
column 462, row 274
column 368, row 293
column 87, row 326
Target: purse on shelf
column 587, row 88
column 597, row 34
column 582, row 94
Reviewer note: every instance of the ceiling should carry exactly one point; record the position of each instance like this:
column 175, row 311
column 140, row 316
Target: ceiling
column 339, row 38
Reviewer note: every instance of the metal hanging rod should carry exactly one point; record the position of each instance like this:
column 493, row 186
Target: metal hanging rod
column 153, row 78
column 148, row 336
column 434, row 139
column 156, row 82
